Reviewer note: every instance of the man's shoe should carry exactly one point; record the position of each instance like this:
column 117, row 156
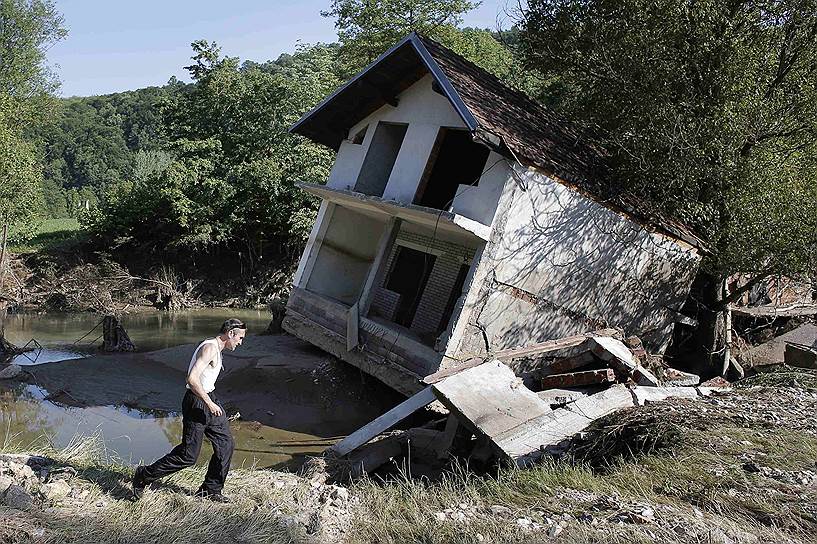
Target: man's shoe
column 138, row 482
column 213, row 496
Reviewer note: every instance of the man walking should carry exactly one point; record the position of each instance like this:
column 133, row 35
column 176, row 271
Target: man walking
column 202, row 415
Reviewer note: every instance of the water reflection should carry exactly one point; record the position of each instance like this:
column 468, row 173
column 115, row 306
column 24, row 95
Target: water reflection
column 149, row 330
column 131, row 435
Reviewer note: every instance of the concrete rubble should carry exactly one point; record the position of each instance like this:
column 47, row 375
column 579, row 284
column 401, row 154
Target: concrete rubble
column 497, row 416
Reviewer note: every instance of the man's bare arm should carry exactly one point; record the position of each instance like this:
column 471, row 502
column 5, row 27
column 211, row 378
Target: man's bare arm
column 205, row 356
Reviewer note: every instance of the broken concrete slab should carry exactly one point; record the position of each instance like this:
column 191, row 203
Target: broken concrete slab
column 383, row 423
column 643, row 395
column 800, row 356
column 773, row 351
column 490, row 397
column 530, row 440
column 564, row 396
column 576, row 379
column 677, row 378
column 619, row 356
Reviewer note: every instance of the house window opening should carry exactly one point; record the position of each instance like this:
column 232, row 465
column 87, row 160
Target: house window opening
column 408, row 278
column 456, row 160
column 380, row 158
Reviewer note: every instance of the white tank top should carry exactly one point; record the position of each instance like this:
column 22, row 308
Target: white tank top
column 210, row 373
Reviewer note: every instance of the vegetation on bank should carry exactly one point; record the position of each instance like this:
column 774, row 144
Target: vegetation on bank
column 50, row 233
column 707, row 112
column 736, row 467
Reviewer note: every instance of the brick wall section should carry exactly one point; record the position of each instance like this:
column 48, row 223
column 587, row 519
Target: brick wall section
column 440, row 283
column 384, row 303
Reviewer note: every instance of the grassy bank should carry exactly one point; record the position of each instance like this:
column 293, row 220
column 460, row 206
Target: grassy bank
column 51, row 233
column 738, row 467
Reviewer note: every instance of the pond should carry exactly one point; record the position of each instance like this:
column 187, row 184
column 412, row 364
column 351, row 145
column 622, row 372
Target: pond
column 294, row 400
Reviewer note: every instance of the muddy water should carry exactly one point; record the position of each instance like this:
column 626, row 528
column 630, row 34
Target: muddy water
column 149, row 330
column 292, row 398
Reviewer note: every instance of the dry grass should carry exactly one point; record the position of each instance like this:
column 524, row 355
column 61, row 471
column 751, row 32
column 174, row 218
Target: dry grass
column 687, row 468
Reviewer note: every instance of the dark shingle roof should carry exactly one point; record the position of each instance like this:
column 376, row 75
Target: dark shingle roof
column 533, row 132
column 501, row 117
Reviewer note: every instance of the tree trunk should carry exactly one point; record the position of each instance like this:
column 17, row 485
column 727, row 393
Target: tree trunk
column 3, row 241
column 114, row 337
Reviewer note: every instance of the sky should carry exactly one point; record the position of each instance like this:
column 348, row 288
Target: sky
column 118, row 45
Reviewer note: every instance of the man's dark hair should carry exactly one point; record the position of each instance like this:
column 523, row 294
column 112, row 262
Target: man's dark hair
column 231, row 324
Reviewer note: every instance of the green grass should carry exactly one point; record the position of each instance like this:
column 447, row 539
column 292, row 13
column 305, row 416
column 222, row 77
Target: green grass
column 50, row 234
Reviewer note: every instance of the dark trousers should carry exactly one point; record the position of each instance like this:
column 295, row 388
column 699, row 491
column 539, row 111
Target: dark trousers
column 198, row 422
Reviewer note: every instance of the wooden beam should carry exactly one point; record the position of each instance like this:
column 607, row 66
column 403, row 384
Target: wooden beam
column 384, row 422
column 442, row 374
column 542, row 348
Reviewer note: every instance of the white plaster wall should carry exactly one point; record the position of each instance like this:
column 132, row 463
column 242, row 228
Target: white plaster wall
column 344, row 256
column 479, row 202
column 425, row 111
column 586, row 267
column 348, row 162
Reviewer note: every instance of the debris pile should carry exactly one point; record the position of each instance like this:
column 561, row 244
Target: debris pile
column 519, row 406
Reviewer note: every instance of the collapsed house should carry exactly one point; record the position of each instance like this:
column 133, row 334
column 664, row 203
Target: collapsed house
column 461, row 219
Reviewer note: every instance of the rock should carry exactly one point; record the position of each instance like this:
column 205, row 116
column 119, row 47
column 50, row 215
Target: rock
column 56, row 490
column 5, row 483
column 20, row 471
column 10, row 372
column 20, row 458
column 555, row 530
column 499, row 510
column 439, row 516
column 340, row 495
column 525, row 523
column 17, row 497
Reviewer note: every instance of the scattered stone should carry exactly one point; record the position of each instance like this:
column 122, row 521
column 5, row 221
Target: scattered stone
column 56, row 490
column 555, row 530
column 439, row 516
column 5, row 483
column 499, row 510
column 17, row 497
column 525, row 523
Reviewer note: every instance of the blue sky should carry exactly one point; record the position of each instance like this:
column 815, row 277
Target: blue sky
column 117, row 45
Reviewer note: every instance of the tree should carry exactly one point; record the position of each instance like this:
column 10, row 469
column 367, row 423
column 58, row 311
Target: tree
column 20, row 178
column 708, row 110
column 224, row 182
column 27, row 29
column 367, row 28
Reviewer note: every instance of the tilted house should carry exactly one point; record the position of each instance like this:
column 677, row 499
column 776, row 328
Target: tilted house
column 462, row 218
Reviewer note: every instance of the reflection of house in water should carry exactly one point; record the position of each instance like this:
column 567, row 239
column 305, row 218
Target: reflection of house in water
column 460, row 219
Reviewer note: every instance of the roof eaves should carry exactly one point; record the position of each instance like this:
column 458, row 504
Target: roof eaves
column 349, row 83
column 449, row 90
